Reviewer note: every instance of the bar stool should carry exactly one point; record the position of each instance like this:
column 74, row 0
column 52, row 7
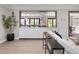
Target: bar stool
column 44, row 39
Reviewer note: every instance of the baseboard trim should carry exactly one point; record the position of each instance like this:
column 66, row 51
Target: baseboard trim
column 30, row 38
column 2, row 41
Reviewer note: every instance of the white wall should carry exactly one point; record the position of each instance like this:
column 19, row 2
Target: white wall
column 16, row 31
column 2, row 31
column 62, row 20
column 33, row 32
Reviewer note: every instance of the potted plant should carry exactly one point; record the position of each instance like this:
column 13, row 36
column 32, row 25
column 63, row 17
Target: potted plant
column 9, row 24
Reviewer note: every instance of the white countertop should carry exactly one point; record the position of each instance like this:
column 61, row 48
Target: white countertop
column 68, row 44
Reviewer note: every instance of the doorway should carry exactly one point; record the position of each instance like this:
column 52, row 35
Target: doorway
column 74, row 24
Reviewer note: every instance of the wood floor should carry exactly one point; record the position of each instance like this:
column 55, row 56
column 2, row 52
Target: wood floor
column 22, row 47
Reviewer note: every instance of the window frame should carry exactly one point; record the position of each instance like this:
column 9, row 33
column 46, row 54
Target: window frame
column 37, row 18
column 52, row 22
column 53, row 18
column 34, row 22
column 24, row 22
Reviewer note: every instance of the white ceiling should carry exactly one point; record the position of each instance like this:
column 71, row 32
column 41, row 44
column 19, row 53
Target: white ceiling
column 41, row 6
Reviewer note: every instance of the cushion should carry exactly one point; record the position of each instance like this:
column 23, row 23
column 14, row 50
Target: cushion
column 58, row 34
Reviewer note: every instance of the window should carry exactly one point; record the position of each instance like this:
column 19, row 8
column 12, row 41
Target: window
column 22, row 22
column 30, row 22
column 52, row 19
column 27, row 22
column 51, row 22
column 34, row 22
column 38, row 19
column 37, row 22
